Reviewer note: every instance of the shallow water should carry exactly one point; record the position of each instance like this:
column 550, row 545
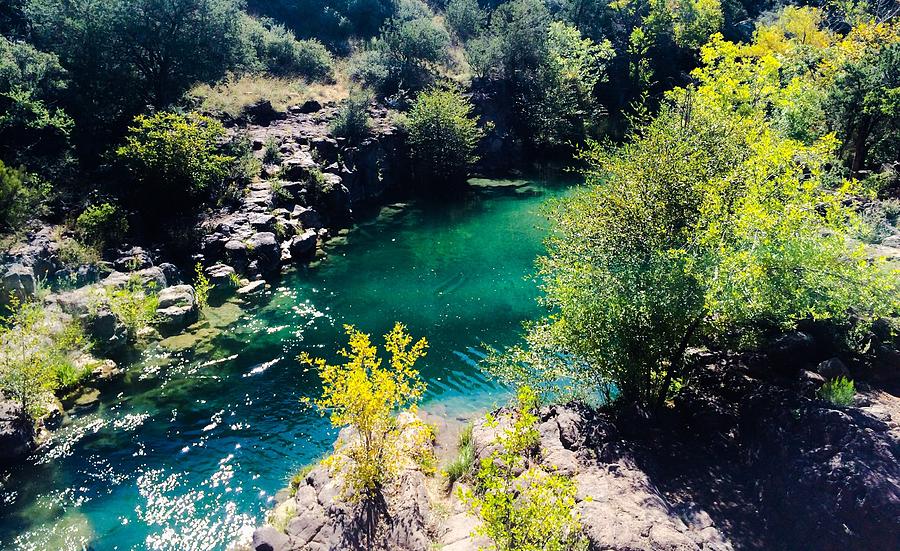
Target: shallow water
column 188, row 450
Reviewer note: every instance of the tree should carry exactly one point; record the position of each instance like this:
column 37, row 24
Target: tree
column 443, row 135
column 275, row 50
column 23, row 197
column 122, row 55
column 34, row 131
column 101, row 224
column 175, row 159
column 364, row 395
column 707, row 224
column 465, row 17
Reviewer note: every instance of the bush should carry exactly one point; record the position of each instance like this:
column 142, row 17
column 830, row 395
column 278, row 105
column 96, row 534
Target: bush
column 134, row 304
column 275, row 50
column 839, row 391
column 23, row 197
column 352, row 121
column 174, row 158
column 443, row 135
column 34, row 360
column 462, row 465
column 202, row 286
column 533, row 510
column 100, row 225
column 364, row 395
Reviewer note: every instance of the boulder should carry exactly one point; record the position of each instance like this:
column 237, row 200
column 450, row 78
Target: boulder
column 892, row 241
column 263, row 248
column 135, row 258
column 252, row 288
column 177, row 308
column 299, row 167
column 304, row 245
column 832, row 369
column 309, row 106
column 261, row 112
column 220, row 275
column 16, row 433
column 152, row 278
column 792, row 351
column 19, row 282
column 268, row 538
column 307, row 217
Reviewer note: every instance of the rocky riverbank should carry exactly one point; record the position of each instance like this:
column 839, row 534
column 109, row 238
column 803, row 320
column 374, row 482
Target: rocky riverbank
column 746, row 459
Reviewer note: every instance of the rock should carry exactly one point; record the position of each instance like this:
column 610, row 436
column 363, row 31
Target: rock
column 263, row 248
column 88, row 400
column 810, row 381
column 177, row 308
column 18, row 281
column 832, row 369
column 261, row 112
column 792, row 351
column 892, row 241
column 261, row 221
column 299, row 167
column 828, row 476
column 308, row 217
column 268, row 538
column 135, row 258
column 304, row 245
column 252, row 288
column 54, row 415
column 171, row 272
column 106, row 371
column 220, row 275
column 16, row 433
column 309, row 106
column 152, row 278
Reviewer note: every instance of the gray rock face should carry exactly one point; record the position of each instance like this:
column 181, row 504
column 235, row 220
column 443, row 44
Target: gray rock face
column 263, row 248
column 19, row 282
column 177, row 307
column 304, row 245
column 832, row 369
column 220, row 275
column 16, row 433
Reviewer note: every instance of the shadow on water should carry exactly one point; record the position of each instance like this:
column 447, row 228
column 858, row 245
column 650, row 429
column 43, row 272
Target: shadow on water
column 187, row 451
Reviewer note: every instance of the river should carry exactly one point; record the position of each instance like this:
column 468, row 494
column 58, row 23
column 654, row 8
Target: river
column 187, row 451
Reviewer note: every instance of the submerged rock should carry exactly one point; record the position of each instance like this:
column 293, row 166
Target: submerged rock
column 16, row 432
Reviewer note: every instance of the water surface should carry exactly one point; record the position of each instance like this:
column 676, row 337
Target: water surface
column 188, row 450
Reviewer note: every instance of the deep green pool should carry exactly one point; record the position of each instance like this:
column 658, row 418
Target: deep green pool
column 188, row 450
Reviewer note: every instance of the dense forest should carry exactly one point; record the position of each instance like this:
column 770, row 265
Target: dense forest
column 741, row 188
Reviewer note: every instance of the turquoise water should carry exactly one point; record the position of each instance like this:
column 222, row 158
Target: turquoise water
column 188, row 450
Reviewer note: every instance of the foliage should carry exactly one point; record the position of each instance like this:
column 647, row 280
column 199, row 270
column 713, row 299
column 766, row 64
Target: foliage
column 174, row 156
column 707, row 223
column 272, row 151
column 352, row 121
column 524, row 512
column 443, row 135
column 22, row 197
column 100, row 225
column 548, row 68
column 462, row 465
column 275, row 50
column 838, row 391
column 465, row 17
column 122, row 55
column 34, row 360
column 406, row 53
column 332, row 21
column 363, row 394
column 34, row 131
column 202, row 286
column 134, row 304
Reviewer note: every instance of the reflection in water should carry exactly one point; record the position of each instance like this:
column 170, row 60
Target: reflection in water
column 188, row 450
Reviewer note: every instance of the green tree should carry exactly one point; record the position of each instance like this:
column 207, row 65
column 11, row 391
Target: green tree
column 443, row 135
column 23, row 197
column 465, row 17
column 352, row 121
column 34, row 131
column 365, row 395
column 175, row 158
column 275, row 50
column 707, row 224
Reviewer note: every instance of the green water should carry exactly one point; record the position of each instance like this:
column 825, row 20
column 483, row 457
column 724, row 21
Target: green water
column 188, row 450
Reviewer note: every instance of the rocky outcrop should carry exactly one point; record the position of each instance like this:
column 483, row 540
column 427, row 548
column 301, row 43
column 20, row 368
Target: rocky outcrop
column 17, row 282
column 318, row 516
column 177, row 308
column 315, row 183
column 16, row 433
